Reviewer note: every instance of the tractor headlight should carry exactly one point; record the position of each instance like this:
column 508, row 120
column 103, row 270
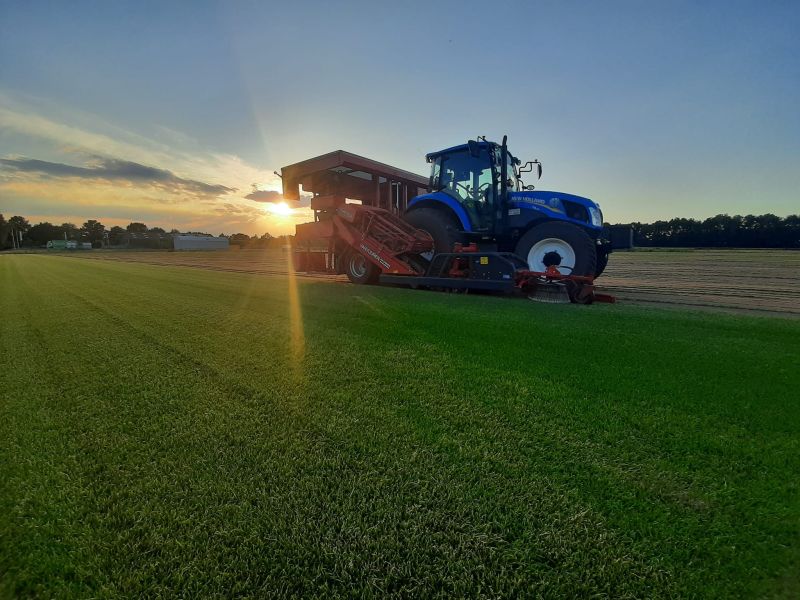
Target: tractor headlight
column 596, row 216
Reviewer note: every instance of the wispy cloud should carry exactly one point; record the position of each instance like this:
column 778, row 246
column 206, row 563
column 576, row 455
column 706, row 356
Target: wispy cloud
column 272, row 196
column 74, row 132
column 109, row 169
column 265, row 196
column 78, row 164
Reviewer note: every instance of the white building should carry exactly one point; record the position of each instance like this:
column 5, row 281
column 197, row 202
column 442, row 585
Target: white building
column 199, row 242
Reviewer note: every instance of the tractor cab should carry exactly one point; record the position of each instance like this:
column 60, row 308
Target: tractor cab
column 471, row 174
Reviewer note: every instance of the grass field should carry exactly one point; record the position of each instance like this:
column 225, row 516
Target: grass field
column 172, row 431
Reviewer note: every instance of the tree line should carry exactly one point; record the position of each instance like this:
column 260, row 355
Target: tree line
column 18, row 232
column 721, row 231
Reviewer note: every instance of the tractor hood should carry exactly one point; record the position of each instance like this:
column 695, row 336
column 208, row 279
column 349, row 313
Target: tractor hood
column 558, row 205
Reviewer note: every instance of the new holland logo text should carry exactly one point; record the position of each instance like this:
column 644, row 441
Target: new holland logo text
column 374, row 255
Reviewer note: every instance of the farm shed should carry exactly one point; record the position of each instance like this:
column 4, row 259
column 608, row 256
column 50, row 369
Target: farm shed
column 68, row 245
column 199, row 242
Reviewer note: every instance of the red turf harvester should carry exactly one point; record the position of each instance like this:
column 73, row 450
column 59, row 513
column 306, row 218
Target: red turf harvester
column 467, row 231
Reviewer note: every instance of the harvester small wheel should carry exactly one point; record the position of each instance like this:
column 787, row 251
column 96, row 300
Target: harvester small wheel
column 359, row 270
column 568, row 247
column 441, row 227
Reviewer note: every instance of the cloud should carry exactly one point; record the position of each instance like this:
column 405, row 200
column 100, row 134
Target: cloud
column 265, row 196
column 110, row 169
column 87, row 168
column 68, row 131
column 273, row 196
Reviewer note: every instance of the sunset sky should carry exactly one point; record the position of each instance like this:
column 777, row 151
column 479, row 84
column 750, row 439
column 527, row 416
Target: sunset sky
column 169, row 113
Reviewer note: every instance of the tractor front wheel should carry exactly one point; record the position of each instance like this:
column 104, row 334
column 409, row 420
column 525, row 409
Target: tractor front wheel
column 565, row 246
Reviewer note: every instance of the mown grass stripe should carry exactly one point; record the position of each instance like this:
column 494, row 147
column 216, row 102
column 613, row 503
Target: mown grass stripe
column 426, row 443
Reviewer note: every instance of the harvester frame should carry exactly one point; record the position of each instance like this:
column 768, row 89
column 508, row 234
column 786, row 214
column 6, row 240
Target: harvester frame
column 466, row 227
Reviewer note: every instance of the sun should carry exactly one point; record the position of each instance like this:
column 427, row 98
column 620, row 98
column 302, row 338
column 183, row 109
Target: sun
column 279, row 208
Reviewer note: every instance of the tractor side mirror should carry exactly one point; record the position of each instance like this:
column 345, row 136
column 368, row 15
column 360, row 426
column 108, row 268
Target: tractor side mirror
column 474, row 149
column 528, row 167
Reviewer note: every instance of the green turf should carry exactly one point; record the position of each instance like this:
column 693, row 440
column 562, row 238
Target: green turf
column 163, row 432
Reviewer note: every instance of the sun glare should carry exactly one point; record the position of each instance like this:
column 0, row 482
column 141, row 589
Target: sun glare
column 280, row 208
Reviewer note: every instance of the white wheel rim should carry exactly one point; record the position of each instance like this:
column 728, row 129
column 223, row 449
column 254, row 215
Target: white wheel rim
column 544, row 247
column 358, row 266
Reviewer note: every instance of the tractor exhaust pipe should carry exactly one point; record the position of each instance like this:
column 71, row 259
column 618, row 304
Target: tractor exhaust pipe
column 503, row 185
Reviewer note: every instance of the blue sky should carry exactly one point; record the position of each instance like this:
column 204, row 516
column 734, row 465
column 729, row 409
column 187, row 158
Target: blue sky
column 654, row 109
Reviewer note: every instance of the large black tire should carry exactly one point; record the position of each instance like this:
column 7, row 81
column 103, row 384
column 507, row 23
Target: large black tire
column 602, row 263
column 359, row 270
column 565, row 238
column 442, row 227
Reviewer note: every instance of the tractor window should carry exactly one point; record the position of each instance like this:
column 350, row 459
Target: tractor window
column 436, row 171
column 512, row 175
column 513, row 180
column 469, row 180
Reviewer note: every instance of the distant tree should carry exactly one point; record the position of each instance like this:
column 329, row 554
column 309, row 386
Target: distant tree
column 174, row 231
column 240, row 239
column 720, row 231
column 261, row 242
column 19, row 223
column 281, row 241
column 136, row 228
column 116, row 235
column 17, row 229
column 791, row 232
column 156, row 230
column 72, row 231
column 93, row 230
column 41, row 233
column 5, row 230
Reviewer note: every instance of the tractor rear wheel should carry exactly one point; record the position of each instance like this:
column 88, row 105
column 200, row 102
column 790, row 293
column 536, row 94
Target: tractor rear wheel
column 567, row 247
column 359, row 270
column 441, row 227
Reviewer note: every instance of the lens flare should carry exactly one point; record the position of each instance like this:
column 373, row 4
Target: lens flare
column 279, row 208
column 297, row 335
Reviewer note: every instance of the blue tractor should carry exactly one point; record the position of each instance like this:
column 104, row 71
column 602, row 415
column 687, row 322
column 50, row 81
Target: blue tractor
column 476, row 194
